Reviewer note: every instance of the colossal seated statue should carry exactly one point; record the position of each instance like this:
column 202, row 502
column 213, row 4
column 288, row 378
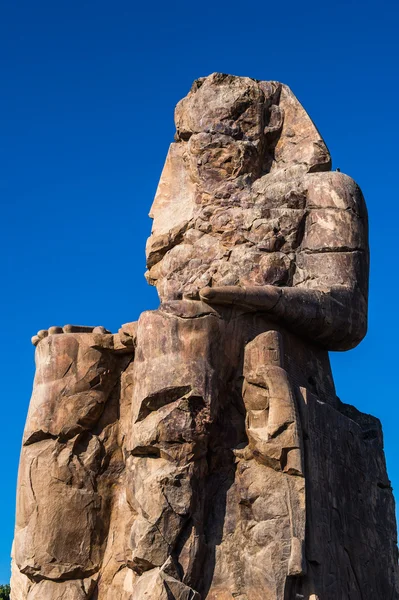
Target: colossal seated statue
column 202, row 452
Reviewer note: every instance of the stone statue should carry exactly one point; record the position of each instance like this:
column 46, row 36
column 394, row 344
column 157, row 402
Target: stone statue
column 202, row 453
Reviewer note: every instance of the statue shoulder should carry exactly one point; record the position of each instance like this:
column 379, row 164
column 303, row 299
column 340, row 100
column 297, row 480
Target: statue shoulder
column 335, row 190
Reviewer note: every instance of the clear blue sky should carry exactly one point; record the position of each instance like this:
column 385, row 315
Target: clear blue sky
column 86, row 112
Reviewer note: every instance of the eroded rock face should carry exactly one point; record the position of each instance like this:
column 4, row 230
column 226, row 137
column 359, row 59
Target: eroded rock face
column 247, row 199
column 202, row 453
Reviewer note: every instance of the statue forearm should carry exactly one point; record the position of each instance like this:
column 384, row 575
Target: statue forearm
column 335, row 319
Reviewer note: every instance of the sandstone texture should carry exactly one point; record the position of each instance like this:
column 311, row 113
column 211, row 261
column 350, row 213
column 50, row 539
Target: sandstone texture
column 201, row 453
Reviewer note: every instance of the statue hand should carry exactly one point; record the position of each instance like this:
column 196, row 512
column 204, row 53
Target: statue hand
column 253, row 297
column 43, row 333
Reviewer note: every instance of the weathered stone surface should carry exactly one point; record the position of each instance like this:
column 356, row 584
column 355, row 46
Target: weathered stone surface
column 260, row 208
column 202, row 452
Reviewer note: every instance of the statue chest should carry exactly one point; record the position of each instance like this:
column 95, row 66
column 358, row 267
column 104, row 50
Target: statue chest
column 232, row 246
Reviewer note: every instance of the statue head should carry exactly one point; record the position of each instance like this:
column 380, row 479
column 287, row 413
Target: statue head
column 261, row 122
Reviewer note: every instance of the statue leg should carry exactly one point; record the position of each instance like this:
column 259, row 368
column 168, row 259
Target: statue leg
column 177, row 384
column 65, row 480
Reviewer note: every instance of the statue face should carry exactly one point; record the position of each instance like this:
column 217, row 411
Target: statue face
column 239, row 120
column 222, row 104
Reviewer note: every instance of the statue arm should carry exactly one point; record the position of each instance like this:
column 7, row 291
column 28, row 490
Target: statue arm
column 327, row 302
column 335, row 319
